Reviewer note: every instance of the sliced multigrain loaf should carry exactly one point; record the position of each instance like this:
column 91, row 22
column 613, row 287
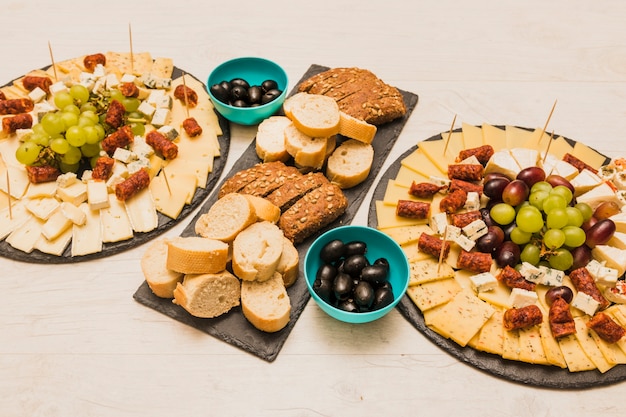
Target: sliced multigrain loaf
column 266, row 304
column 315, row 115
column 265, row 210
column 242, row 178
column 313, row 211
column 357, row 129
column 227, row 217
column 289, row 263
column 307, row 151
column 350, row 163
column 161, row 280
column 271, row 178
column 196, row 255
column 359, row 93
column 208, row 295
column 257, row 251
column 270, row 139
column 288, row 193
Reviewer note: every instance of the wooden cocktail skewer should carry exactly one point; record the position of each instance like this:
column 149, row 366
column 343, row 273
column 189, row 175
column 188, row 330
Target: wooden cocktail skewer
column 547, row 148
column 443, row 247
column 6, row 167
column 54, row 67
column 167, row 182
column 547, row 121
column 130, row 38
column 449, row 135
column 185, row 92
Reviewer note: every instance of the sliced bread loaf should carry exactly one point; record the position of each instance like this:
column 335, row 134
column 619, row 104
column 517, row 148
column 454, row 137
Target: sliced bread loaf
column 350, row 163
column 256, row 251
column 266, row 304
column 289, row 261
column 161, row 280
column 226, row 218
column 208, row 295
column 196, row 255
column 270, row 139
column 315, row 115
column 264, row 209
column 288, row 193
column 307, row 151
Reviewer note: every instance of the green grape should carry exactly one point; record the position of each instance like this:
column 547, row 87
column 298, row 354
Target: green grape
column 59, row 145
column 42, row 139
column 574, row 236
column 38, row 128
column 93, row 160
column 80, row 93
column 574, row 217
column 27, row 152
column 561, row 259
column 62, row 99
column 101, row 132
column 564, row 192
column 556, row 218
column 91, row 115
column 76, row 136
column 554, row 238
column 71, row 108
column 530, row 254
column 64, row 167
column 85, row 121
column 536, row 198
column 585, row 209
column 138, row 129
column 529, row 220
column 519, row 236
column 541, row 186
column 53, row 124
column 502, row 213
column 88, row 107
column 72, row 156
column 90, row 150
column 117, row 95
column 69, row 119
column 553, row 201
column 91, row 134
column 131, row 104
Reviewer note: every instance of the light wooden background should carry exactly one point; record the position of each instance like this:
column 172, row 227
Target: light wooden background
column 73, row 342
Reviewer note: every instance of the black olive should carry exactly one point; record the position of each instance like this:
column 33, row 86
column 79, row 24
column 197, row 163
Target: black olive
column 239, row 103
column 348, row 305
column 239, row 82
column 342, row 286
column 355, row 248
column 382, row 298
column 374, row 274
column 220, row 93
column 332, row 251
column 324, row 288
column 268, row 85
column 382, row 261
column 239, row 92
column 254, row 93
column 354, row 264
column 326, row 272
column 364, row 294
column 270, row 96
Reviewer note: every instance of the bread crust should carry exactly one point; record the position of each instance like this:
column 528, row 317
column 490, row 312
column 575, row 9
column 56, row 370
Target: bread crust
column 288, row 193
column 257, row 296
column 161, row 280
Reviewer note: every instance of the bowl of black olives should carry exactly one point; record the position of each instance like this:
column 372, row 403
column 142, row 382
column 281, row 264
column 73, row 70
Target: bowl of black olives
column 356, row 274
column 247, row 90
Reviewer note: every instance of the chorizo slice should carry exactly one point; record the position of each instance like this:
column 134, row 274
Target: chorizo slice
column 20, row 121
column 103, row 168
column 463, row 219
column 519, row 318
column 30, row 82
column 432, row 245
column 186, row 95
column 425, row 189
column 561, row 319
column 16, row 106
column 39, row 174
column 482, row 153
column 132, row 185
column 584, row 282
column 412, row 209
column 91, row 61
column 466, row 172
column 474, row 261
column 192, row 127
column 512, row 278
column 121, row 138
column 162, row 145
column 606, row 327
column 453, row 201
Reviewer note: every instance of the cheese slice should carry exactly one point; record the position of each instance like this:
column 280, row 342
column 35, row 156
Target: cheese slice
column 503, row 162
column 18, row 180
column 56, row 224
column 434, row 149
column 87, row 239
column 550, row 345
column 538, row 140
column 42, row 208
column 559, row 147
column 472, row 135
column 491, row 336
column 420, row 163
column 618, row 240
column 55, row 246
column 565, row 170
column 515, row 136
column 585, row 181
column 428, row 270
column 499, row 296
column 13, row 218
column 406, row 176
column 525, row 157
column 142, row 211
column 198, row 167
column 433, row 294
column 588, row 155
column 171, row 196
column 406, row 234
column 386, row 216
column 396, row 191
column 494, row 136
column 597, row 195
column 510, row 346
column 589, row 345
column 44, row 189
column 116, row 225
column 531, row 348
column 575, row 358
column 620, row 222
column 613, row 257
column 24, row 237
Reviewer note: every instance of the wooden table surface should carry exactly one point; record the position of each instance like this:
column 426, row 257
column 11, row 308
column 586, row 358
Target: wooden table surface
column 73, row 342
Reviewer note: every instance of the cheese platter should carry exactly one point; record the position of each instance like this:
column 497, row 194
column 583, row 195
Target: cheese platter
column 441, row 286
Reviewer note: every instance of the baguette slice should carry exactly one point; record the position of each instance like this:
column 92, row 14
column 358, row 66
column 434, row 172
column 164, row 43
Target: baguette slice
column 266, row 304
column 196, row 255
column 226, row 218
column 291, row 102
column 161, row 280
column 264, row 209
column 208, row 295
column 270, row 139
column 289, row 262
column 315, row 115
column 257, row 251
column 357, row 129
column 350, row 163
column 307, row 151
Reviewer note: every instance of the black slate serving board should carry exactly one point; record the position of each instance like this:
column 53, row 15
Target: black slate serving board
column 232, row 327
column 520, row 372
column 165, row 223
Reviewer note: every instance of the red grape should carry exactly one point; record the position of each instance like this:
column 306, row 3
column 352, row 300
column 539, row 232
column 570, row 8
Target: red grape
column 488, row 242
column 605, row 210
column 600, row 233
column 555, row 180
column 494, row 187
column 563, row 292
column 581, row 255
column 531, row 175
column 507, row 254
column 515, row 193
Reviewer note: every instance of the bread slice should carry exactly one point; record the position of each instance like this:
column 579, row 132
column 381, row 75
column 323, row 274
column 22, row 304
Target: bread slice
column 350, row 163
column 289, row 262
column 315, row 115
column 266, row 304
column 357, row 129
column 307, row 151
column 272, row 176
column 208, row 295
column 196, row 255
column 160, row 279
column 288, row 193
column 242, row 178
column 293, row 101
column 257, row 251
column 227, row 217
column 264, row 209
column 270, row 139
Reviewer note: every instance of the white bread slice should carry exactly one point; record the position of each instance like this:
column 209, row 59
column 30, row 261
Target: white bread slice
column 226, row 218
column 265, row 210
column 196, row 255
column 208, row 295
column 270, row 139
column 289, row 262
column 256, row 251
column 350, row 163
column 315, row 115
column 293, row 101
column 307, row 151
column 266, row 304
column 160, row 279
column 354, row 128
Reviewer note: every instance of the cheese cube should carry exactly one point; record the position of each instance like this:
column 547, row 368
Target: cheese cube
column 593, row 267
column 146, row 109
column 531, row 272
column 111, row 81
column 155, row 96
column 452, row 232
column 521, row 298
column 75, row 193
column 58, row 87
column 67, row 179
column 473, row 201
column 465, row 243
column 438, row 223
column 440, row 181
column 55, row 225
column 128, row 78
column 86, row 78
column 607, row 276
column 614, row 257
column 169, row 132
column 471, row 160
column 160, row 117
column 551, row 277
column 99, row 86
column 483, row 282
column 140, row 163
column 124, row 155
column 97, row 195
column 73, row 213
column 585, row 303
column 99, row 71
column 475, row 229
column 37, row 95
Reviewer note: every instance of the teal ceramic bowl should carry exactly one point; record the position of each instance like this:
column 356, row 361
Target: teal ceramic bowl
column 379, row 245
column 254, row 71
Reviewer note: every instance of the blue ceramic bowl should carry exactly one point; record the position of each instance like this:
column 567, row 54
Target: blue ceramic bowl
column 379, row 245
column 254, row 71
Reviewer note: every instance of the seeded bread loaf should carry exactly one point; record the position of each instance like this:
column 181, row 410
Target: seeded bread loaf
column 270, row 139
column 227, row 217
column 208, row 295
column 272, row 176
column 266, row 304
column 196, row 255
column 240, row 179
column 161, row 280
column 359, row 93
column 288, row 193
column 257, row 251
column 307, row 151
column 313, row 211
column 350, row 163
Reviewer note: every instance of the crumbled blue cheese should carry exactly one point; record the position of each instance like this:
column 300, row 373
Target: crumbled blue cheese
column 585, row 303
column 439, row 181
column 138, row 164
column 37, row 95
column 465, row 243
column 152, row 81
column 67, row 179
column 484, row 281
column 475, row 229
column 521, row 298
column 551, row 277
column 530, row 272
column 124, row 155
column 160, row 117
column 171, row 133
column 146, row 109
column 438, row 223
column 473, row 201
